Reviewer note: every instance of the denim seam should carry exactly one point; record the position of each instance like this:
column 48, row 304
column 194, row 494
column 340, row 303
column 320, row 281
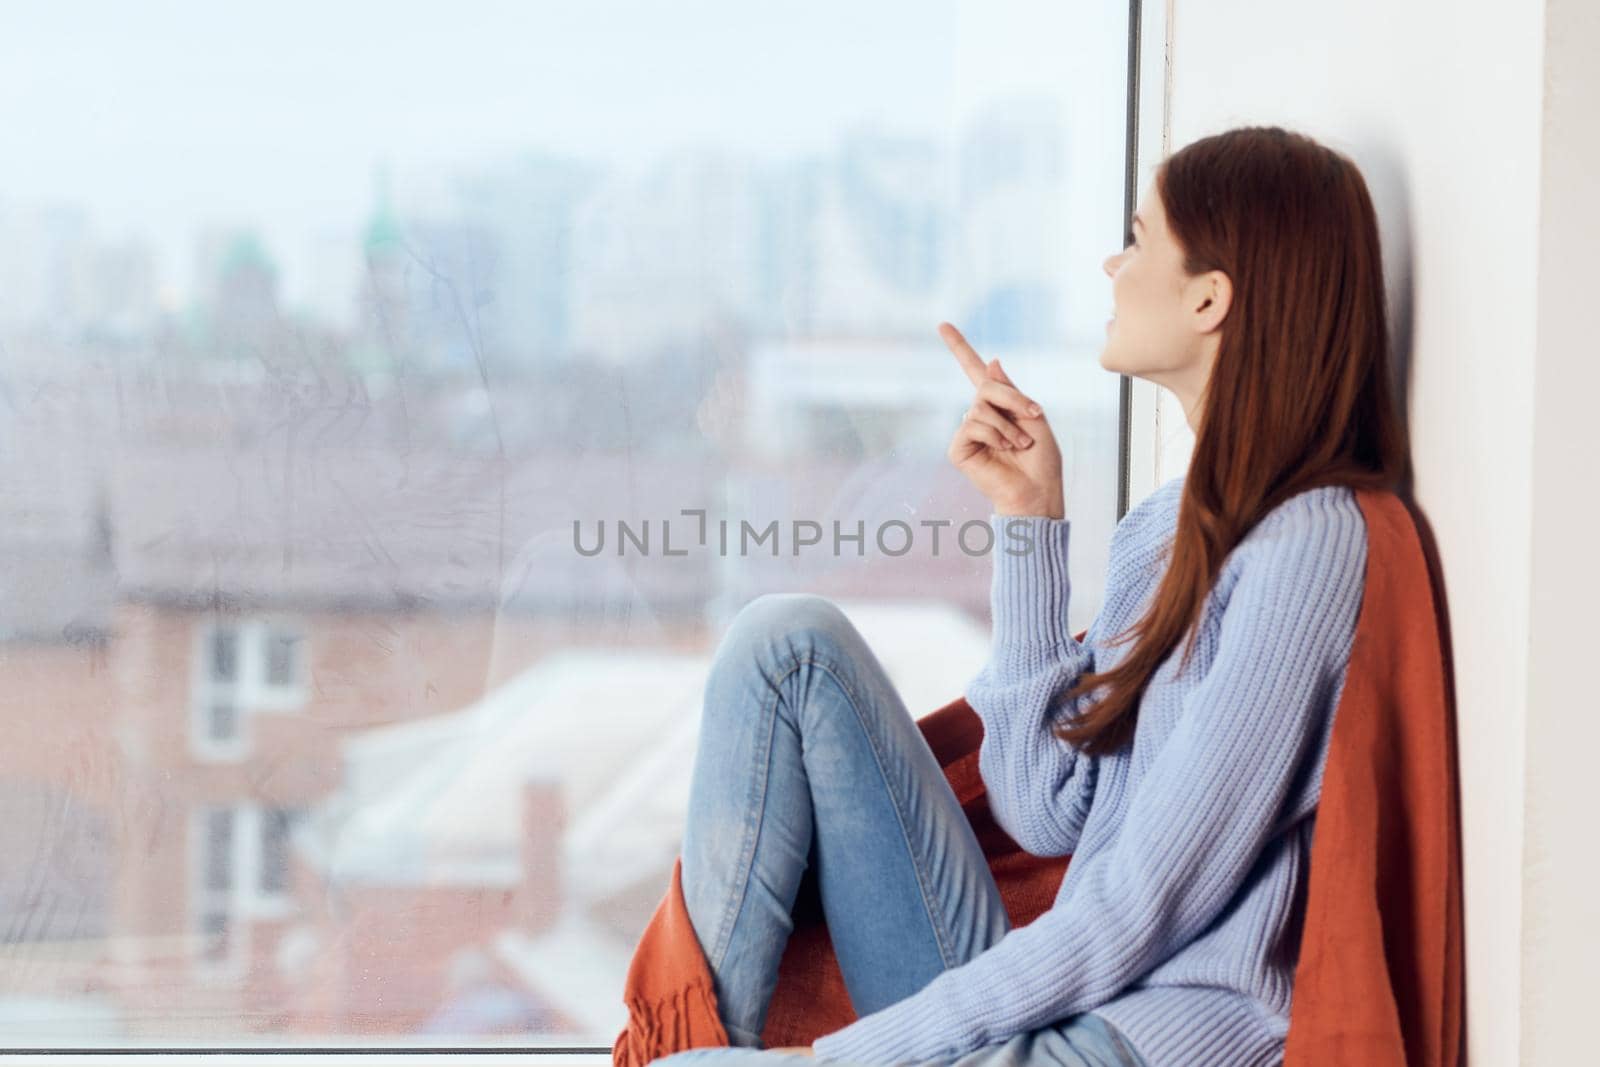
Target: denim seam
column 752, row 832
column 945, row 954
column 753, row 826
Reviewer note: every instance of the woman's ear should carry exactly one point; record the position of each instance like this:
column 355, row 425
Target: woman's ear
column 1208, row 297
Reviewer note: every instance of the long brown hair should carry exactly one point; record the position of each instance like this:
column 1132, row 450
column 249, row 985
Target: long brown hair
column 1300, row 395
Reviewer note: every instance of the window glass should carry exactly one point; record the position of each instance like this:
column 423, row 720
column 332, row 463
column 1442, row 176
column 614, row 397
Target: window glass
column 219, row 850
column 397, row 400
column 280, row 649
column 224, row 655
column 275, row 826
column 223, row 723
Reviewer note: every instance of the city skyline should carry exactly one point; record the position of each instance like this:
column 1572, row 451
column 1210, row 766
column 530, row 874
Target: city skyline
column 279, row 121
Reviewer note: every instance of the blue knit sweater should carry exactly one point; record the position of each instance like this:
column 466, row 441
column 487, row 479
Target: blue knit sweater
column 1179, row 916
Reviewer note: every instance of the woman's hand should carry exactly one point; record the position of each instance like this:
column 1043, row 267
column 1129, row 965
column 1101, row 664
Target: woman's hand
column 1004, row 445
column 803, row 1050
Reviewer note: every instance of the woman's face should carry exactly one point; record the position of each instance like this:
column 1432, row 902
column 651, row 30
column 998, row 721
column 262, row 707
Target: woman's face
column 1165, row 325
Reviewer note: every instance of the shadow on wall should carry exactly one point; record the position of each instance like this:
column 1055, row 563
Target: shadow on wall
column 1390, row 188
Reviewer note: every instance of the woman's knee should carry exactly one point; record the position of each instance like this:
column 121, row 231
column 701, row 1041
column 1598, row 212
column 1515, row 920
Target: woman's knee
column 786, row 629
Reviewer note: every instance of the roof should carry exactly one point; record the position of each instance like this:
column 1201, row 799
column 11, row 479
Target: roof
column 259, row 492
column 439, row 800
column 281, row 520
column 59, row 584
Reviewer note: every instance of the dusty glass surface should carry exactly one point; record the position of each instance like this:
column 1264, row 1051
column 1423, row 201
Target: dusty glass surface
column 334, row 338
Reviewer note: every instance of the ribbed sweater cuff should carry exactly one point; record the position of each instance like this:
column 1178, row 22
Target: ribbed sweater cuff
column 909, row 1030
column 1030, row 592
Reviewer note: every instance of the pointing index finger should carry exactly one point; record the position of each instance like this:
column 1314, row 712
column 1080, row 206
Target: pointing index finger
column 970, row 361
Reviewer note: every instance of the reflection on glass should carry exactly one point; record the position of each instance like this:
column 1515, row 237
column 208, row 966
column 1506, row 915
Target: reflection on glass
column 395, row 409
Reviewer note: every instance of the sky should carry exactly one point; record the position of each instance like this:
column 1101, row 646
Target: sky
column 160, row 117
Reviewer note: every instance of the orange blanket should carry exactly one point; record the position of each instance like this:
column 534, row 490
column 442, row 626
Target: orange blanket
column 1379, row 980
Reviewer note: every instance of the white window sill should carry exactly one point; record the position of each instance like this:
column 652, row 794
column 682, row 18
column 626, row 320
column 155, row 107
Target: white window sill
column 419, row 1057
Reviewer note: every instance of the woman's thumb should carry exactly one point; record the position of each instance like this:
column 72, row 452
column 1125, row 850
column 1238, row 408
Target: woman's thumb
column 995, row 371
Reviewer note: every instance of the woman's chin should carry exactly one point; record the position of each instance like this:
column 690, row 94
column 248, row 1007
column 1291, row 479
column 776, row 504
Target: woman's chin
column 1117, row 359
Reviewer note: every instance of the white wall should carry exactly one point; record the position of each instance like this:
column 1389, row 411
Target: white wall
column 1478, row 141
column 1561, row 926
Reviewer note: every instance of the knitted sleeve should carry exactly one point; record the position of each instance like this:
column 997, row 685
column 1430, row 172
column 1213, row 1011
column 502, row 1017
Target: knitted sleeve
column 1191, row 833
column 1039, row 787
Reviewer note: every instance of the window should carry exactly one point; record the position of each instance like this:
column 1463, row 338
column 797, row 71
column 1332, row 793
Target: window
column 224, row 656
column 222, row 721
column 281, row 648
column 240, row 878
column 324, row 340
column 214, row 905
column 247, row 666
column 276, row 824
column 217, row 731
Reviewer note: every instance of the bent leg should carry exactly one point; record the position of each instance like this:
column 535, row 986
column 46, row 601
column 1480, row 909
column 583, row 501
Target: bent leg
column 806, row 753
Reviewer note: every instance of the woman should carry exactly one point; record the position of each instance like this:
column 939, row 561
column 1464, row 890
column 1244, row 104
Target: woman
column 1184, row 785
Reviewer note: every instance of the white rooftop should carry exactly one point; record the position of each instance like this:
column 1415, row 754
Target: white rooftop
column 439, row 801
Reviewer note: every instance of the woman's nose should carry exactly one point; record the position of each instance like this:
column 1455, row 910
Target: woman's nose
column 1110, row 265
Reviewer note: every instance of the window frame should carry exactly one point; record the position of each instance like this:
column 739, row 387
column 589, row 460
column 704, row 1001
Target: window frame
column 249, row 692
column 244, row 900
column 204, row 900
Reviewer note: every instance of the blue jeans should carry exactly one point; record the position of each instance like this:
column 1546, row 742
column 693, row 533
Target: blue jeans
column 810, row 769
